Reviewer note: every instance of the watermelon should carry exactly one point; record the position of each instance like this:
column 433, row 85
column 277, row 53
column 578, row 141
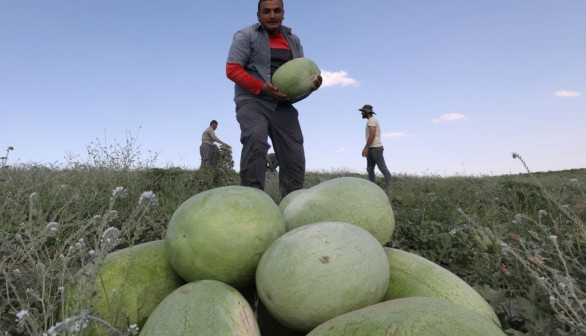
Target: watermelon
column 344, row 199
column 421, row 316
column 130, row 284
column 296, row 77
column 318, row 271
column 221, row 234
column 290, row 196
column 412, row 275
column 205, row 307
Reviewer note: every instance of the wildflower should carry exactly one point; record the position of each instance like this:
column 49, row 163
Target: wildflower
column 518, row 218
column 33, row 197
column 566, row 207
column 561, row 286
column 113, row 214
column 52, row 226
column 552, row 299
column 553, row 238
column 18, row 237
column 133, row 329
column 148, row 198
column 573, row 182
column 110, row 235
column 77, row 326
column 80, row 243
column 61, row 289
column 21, row 315
column 118, row 192
column 91, row 253
column 53, row 329
column 453, row 232
column 542, row 213
column 16, row 271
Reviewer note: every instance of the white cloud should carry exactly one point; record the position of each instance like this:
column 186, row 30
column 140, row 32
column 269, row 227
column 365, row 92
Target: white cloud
column 393, row 135
column 450, row 117
column 341, row 150
column 335, row 78
column 564, row 93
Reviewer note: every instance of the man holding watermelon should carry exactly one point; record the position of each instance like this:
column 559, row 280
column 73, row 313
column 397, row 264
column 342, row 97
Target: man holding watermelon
column 262, row 111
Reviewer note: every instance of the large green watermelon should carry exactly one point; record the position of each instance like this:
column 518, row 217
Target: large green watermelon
column 296, row 77
column 344, row 199
column 205, row 307
column 318, row 271
column 413, row 316
column 221, row 234
column 290, row 196
column 412, row 275
column 130, row 284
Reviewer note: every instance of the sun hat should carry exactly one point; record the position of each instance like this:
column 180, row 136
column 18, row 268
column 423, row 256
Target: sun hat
column 367, row 108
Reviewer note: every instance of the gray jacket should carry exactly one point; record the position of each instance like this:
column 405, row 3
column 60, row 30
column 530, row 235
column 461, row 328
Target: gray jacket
column 250, row 48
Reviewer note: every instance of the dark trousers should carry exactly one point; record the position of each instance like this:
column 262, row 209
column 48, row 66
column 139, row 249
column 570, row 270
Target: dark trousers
column 257, row 124
column 208, row 155
column 375, row 157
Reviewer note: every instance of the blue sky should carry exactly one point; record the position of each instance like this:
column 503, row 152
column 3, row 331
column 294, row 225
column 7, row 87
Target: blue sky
column 457, row 85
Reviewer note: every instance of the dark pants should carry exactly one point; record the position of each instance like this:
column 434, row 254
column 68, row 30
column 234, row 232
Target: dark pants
column 208, row 155
column 257, row 124
column 375, row 157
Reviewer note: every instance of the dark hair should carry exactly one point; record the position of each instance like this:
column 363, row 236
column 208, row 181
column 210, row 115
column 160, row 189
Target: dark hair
column 259, row 1
column 213, row 122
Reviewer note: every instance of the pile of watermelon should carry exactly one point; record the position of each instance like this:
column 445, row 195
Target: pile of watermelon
column 235, row 263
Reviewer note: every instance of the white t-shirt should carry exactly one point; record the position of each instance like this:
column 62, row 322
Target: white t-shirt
column 373, row 122
column 209, row 136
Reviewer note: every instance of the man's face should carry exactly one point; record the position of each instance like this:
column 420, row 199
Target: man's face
column 271, row 15
column 214, row 126
column 364, row 115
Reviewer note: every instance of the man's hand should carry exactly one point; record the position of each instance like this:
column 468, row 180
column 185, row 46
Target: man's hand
column 365, row 152
column 270, row 90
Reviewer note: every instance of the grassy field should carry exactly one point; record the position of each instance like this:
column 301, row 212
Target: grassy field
column 518, row 239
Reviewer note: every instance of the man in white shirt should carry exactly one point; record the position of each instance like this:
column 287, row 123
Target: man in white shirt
column 373, row 150
column 208, row 150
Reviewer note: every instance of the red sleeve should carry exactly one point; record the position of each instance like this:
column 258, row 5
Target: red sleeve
column 238, row 75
